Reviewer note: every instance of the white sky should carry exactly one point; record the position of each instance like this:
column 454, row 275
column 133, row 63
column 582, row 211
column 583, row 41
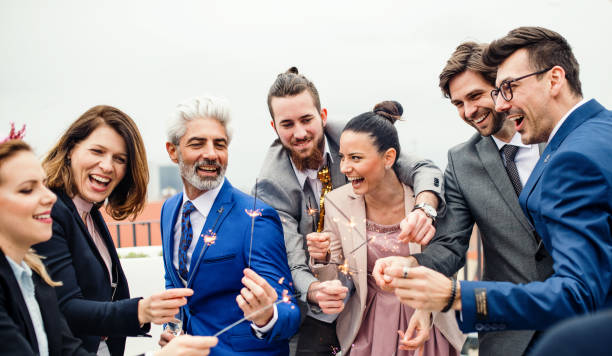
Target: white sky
column 59, row 58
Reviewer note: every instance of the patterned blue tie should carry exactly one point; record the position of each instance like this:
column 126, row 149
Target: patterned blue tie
column 186, row 237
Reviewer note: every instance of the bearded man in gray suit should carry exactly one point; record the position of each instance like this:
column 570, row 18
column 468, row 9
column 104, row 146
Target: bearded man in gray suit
column 482, row 187
column 290, row 183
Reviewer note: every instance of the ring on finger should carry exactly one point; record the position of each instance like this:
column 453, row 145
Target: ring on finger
column 405, row 272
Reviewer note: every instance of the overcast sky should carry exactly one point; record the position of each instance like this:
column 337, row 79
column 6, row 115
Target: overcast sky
column 59, row 58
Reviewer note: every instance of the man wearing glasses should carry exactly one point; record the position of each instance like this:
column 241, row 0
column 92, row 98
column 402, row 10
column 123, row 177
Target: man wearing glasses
column 568, row 196
column 483, row 178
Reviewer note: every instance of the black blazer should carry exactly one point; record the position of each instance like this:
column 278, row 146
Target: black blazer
column 17, row 336
column 91, row 306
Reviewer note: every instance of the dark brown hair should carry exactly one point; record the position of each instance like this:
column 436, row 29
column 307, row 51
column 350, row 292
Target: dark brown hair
column 128, row 197
column 546, row 49
column 378, row 124
column 292, row 83
column 467, row 56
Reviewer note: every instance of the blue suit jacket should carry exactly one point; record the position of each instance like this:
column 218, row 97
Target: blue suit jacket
column 215, row 272
column 568, row 198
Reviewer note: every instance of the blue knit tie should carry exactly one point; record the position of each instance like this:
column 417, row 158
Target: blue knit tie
column 186, row 237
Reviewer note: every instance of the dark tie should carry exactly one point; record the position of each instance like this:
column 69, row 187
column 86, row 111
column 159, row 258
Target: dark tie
column 186, row 237
column 509, row 152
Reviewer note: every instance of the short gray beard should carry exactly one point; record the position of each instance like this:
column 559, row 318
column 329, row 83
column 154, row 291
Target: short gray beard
column 190, row 174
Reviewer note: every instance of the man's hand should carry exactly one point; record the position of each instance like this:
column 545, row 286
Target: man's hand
column 318, row 245
column 382, row 264
column 256, row 297
column 162, row 307
column 330, row 296
column 419, row 322
column 188, row 345
column 417, row 227
column 423, row 288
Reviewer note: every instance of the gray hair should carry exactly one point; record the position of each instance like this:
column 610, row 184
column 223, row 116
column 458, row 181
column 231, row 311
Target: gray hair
column 201, row 107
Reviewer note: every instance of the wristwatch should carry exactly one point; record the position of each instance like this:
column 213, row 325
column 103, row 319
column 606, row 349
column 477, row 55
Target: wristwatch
column 428, row 210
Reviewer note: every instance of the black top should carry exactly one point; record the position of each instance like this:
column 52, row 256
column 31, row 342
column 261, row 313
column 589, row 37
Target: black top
column 91, row 306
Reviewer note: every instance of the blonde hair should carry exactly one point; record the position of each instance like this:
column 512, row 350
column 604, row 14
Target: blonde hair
column 9, row 149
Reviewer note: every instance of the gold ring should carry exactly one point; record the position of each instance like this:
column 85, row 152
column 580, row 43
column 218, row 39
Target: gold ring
column 405, row 272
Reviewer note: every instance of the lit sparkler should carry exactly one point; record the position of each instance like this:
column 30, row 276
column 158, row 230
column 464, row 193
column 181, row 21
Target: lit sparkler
column 253, row 214
column 210, row 238
column 312, row 211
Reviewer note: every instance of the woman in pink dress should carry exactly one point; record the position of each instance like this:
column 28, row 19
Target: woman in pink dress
column 362, row 224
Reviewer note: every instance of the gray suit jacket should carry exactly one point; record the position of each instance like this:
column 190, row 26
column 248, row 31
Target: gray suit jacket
column 478, row 190
column 278, row 187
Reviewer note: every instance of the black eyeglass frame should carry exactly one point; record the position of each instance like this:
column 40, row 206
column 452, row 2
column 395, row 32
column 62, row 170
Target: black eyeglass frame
column 507, row 83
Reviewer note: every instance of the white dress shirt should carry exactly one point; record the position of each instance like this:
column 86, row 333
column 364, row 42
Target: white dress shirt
column 526, row 157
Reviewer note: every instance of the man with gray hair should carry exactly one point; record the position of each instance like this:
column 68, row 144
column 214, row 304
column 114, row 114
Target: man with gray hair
column 232, row 272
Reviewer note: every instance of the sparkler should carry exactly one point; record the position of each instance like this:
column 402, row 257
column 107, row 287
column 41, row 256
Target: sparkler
column 210, row 238
column 312, row 211
column 253, row 214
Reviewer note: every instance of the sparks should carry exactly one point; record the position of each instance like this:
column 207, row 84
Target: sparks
column 210, row 238
column 286, row 298
column 344, row 268
column 281, row 280
column 253, row 213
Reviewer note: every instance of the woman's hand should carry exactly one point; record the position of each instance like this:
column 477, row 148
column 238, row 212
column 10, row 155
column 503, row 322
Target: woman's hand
column 188, row 345
column 318, row 245
column 162, row 307
column 420, row 322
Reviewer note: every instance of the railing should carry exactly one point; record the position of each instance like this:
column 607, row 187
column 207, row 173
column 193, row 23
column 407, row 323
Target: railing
column 135, row 233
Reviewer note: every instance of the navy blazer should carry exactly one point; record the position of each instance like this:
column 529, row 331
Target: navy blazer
column 17, row 335
column 568, row 198
column 91, row 306
column 216, row 271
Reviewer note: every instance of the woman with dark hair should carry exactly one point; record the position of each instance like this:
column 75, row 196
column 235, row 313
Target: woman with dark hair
column 100, row 158
column 362, row 224
column 30, row 319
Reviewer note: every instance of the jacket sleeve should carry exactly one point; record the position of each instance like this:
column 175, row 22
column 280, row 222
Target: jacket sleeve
column 422, row 174
column 575, row 220
column 446, row 251
column 104, row 318
column 269, row 260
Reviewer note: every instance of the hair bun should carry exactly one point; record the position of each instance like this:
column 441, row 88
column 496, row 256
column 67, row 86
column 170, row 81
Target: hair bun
column 293, row 70
column 390, row 110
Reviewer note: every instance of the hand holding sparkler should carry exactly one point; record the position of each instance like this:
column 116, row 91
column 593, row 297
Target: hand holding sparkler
column 330, row 295
column 160, row 308
column 318, row 245
column 382, row 264
column 255, row 298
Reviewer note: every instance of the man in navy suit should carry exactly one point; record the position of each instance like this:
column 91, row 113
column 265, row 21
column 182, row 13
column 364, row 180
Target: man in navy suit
column 207, row 245
column 568, row 196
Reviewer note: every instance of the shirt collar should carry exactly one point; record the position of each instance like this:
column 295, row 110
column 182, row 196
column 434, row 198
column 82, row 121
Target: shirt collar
column 313, row 173
column 82, row 205
column 204, row 202
column 515, row 141
column 567, row 114
column 19, row 270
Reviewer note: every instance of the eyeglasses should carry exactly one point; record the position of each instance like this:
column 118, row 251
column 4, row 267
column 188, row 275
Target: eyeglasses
column 505, row 88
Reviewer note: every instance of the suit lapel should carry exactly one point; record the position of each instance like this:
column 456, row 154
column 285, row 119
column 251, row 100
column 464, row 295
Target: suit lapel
column 575, row 119
column 6, row 273
column 492, row 163
column 219, row 211
column 338, row 178
column 100, row 225
column 356, row 236
column 171, row 212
